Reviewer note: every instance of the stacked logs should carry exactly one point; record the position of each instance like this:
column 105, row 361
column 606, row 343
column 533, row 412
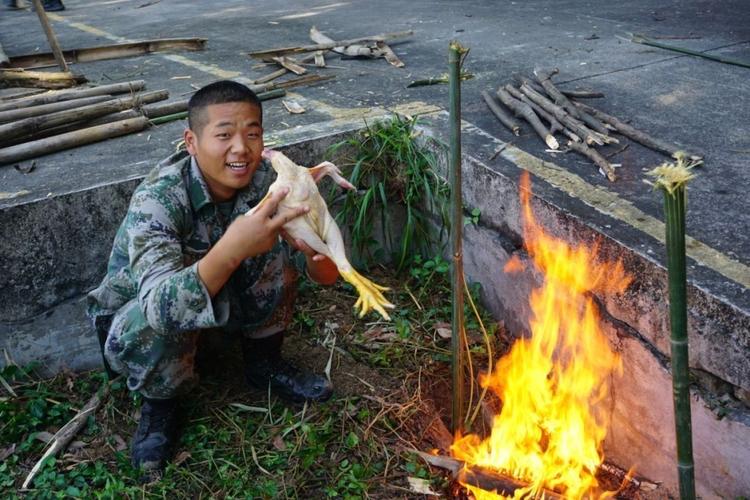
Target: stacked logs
column 43, row 123
column 551, row 111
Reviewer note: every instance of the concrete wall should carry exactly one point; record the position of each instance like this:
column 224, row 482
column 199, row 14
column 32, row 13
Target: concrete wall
column 641, row 433
column 55, row 250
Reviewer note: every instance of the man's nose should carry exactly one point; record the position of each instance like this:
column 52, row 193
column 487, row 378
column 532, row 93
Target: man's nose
column 239, row 144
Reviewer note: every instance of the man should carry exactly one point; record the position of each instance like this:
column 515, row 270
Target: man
column 186, row 259
column 49, row 5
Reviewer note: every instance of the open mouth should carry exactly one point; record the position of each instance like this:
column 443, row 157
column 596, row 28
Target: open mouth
column 239, row 167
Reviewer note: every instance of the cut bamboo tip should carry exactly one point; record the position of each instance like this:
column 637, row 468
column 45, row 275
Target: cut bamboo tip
column 673, row 176
column 456, row 45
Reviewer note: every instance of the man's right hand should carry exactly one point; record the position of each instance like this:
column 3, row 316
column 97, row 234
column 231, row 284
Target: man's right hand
column 246, row 237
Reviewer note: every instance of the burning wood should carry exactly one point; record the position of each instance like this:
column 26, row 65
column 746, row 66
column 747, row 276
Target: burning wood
column 550, row 429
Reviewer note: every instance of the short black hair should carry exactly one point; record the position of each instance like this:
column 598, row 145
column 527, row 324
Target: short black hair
column 219, row 92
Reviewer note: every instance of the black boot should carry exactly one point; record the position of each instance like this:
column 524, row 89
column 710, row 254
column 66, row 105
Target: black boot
column 264, row 365
column 156, row 435
column 11, row 4
column 53, row 5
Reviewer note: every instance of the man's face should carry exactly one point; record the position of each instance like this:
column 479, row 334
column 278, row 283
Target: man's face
column 228, row 148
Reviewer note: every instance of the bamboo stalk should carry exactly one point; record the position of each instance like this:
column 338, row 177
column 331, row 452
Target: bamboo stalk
column 726, row 60
column 39, row 79
column 51, row 38
column 588, row 135
column 261, row 54
column 351, row 50
column 554, row 125
column 151, row 111
column 12, row 115
column 68, row 431
column 294, row 82
column 523, row 110
column 30, row 126
column 672, row 180
column 66, row 95
column 283, row 71
column 500, row 113
column 593, row 155
column 455, row 55
column 71, row 139
column 111, row 51
column 638, row 136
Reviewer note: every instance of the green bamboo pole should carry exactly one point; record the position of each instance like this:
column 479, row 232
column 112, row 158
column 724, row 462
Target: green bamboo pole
column 455, row 54
column 672, row 180
column 726, row 60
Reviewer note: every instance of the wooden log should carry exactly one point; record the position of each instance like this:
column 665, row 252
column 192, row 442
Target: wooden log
column 290, row 65
column 51, row 38
column 480, row 477
column 38, row 79
column 320, row 60
column 501, row 114
column 350, row 50
column 19, row 93
column 71, row 139
column 554, row 125
column 593, row 155
column 638, row 136
column 263, row 54
column 283, row 71
column 294, row 82
column 111, row 51
column 582, row 94
column 30, row 126
column 523, row 110
column 45, row 109
column 389, row 55
column 66, row 95
column 545, row 80
column 577, row 127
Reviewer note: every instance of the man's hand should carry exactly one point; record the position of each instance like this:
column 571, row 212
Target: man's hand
column 246, row 237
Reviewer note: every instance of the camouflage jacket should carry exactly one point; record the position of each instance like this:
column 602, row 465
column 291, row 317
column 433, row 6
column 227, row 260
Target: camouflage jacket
column 170, row 224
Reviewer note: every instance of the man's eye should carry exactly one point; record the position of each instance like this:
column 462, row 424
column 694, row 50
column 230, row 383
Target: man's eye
column 253, row 135
column 222, row 136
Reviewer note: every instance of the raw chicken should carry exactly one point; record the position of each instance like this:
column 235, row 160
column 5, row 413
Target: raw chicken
column 317, row 228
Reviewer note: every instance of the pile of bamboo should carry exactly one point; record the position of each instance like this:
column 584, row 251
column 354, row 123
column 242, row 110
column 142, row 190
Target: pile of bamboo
column 52, row 121
column 43, row 123
column 551, row 111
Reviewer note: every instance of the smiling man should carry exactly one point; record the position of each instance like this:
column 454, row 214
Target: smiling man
column 185, row 260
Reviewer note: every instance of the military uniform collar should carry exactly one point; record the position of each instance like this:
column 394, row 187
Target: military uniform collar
column 198, row 191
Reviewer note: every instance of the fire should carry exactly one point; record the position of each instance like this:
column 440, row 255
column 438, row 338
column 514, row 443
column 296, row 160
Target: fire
column 551, row 427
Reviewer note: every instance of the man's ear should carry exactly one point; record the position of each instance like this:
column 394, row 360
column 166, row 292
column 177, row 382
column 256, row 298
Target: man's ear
column 191, row 142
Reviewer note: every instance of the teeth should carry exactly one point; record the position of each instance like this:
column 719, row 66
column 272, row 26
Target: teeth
column 237, row 165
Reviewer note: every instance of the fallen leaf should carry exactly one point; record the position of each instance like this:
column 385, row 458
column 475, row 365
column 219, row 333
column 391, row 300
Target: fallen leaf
column 278, row 443
column 421, row 486
column 44, row 436
column 6, row 452
column 77, row 445
column 181, row 457
column 445, row 333
column 119, row 442
column 293, row 107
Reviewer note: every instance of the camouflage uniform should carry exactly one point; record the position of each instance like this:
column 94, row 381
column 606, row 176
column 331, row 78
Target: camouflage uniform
column 153, row 295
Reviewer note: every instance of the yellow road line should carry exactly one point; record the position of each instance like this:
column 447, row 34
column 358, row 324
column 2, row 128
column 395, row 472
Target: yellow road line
column 609, row 203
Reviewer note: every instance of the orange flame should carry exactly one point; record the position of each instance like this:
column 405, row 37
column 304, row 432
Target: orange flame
column 550, row 430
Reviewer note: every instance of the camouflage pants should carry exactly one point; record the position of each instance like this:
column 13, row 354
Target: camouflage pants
column 160, row 365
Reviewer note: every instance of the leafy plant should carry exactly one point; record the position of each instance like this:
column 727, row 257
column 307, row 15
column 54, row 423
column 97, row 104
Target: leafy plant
column 389, row 168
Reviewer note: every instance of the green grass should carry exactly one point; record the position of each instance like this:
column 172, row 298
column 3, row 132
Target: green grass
column 238, row 444
column 390, row 169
